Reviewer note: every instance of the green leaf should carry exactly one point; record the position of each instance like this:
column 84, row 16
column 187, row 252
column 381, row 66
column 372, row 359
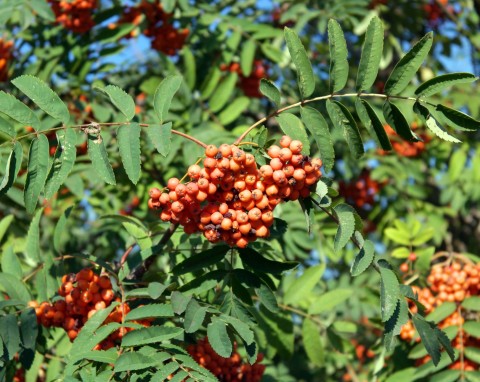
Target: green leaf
column 393, row 325
column 441, row 312
column 11, row 264
column 133, row 361
column 329, row 300
column 406, row 68
column 149, row 311
column 247, row 55
column 397, row 121
column 120, row 99
column 17, row 110
column 7, row 128
column 472, row 328
column 155, row 289
column 442, row 82
column 129, row 146
column 46, row 99
column 150, row 335
column 10, row 335
column 338, row 56
column 371, row 54
column 342, row 118
column 312, row 342
column 190, row 67
column 60, row 229
column 259, row 263
column 162, row 374
column 63, row 161
column 15, row 288
column 234, row 110
column 164, row 94
column 346, row 225
column 32, row 246
column 241, row 328
column 472, row 376
column 37, row 171
column 375, row 123
column 28, row 328
column 179, row 302
column 5, row 224
column 223, row 92
column 292, row 126
column 267, row 298
column 194, row 316
column 431, row 124
column 389, row 290
column 363, row 259
column 99, row 157
column 303, row 285
column 318, row 127
column 14, row 164
column 161, row 136
column 446, row 376
column 306, row 78
column 458, row 119
column 103, row 356
column 472, row 303
column 218, row 338
column 269, row 90
column 201, row 260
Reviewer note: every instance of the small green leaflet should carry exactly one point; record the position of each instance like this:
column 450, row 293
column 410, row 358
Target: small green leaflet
column 338, row 56
column 306, row 78
column 223, row 92
column 133, row 361
column 164, row 94
column 37, row 171
column 375, row 123
column 292, row 126
column 17, row 110
column 63, row 161
column 190, row 67
column 60, row 229
column 218, row 338
column 397, row 121
column 7, row 128
column 318, row 127
column 10, row 263
column 371, row 55
column 161, row 136
column 363, row 259
column 393, row 325
column 246, row 56
column 32, row 245
column 98, row 155
column 14, row 163
column 234, row 110
column 269, row 90
column 46, row 99
column 122, row 101
column 313, row 342
column 408, row 65
column 442, row 82
column 128, row 137
column 342, row 118
column 431, row 124
column 346, row 225
column 389, row 289
column 458, row 119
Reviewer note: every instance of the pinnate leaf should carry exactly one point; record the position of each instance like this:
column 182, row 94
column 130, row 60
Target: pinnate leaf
column 338, row 56
column 371, row 55
column 37, row 171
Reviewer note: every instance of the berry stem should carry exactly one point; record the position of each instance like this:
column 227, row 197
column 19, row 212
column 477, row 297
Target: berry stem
column 322, row 98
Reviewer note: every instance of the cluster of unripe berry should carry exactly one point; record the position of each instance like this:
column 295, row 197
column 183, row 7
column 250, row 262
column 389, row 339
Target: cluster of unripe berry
column 250, row 85
column 452, row 283
column 361, row 191
column 405, row 148
column 230, row 369
column 164, row 36
column 230, row 199
column 76, row 15
column 5, row 58
column 83, row 294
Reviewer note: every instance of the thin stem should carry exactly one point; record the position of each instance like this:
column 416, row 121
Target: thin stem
column 322, row 98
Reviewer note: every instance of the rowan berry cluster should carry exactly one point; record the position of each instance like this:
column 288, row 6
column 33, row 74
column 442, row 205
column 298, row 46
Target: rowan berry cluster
column 5, row 57
column 250, row 85
column 435, row 11
column 405, row 148
column 226, row 369
column 76, row 15
column 83, row 294
column 452, row 283
column 360, row 192
column 164, row 36
column 230, row 199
